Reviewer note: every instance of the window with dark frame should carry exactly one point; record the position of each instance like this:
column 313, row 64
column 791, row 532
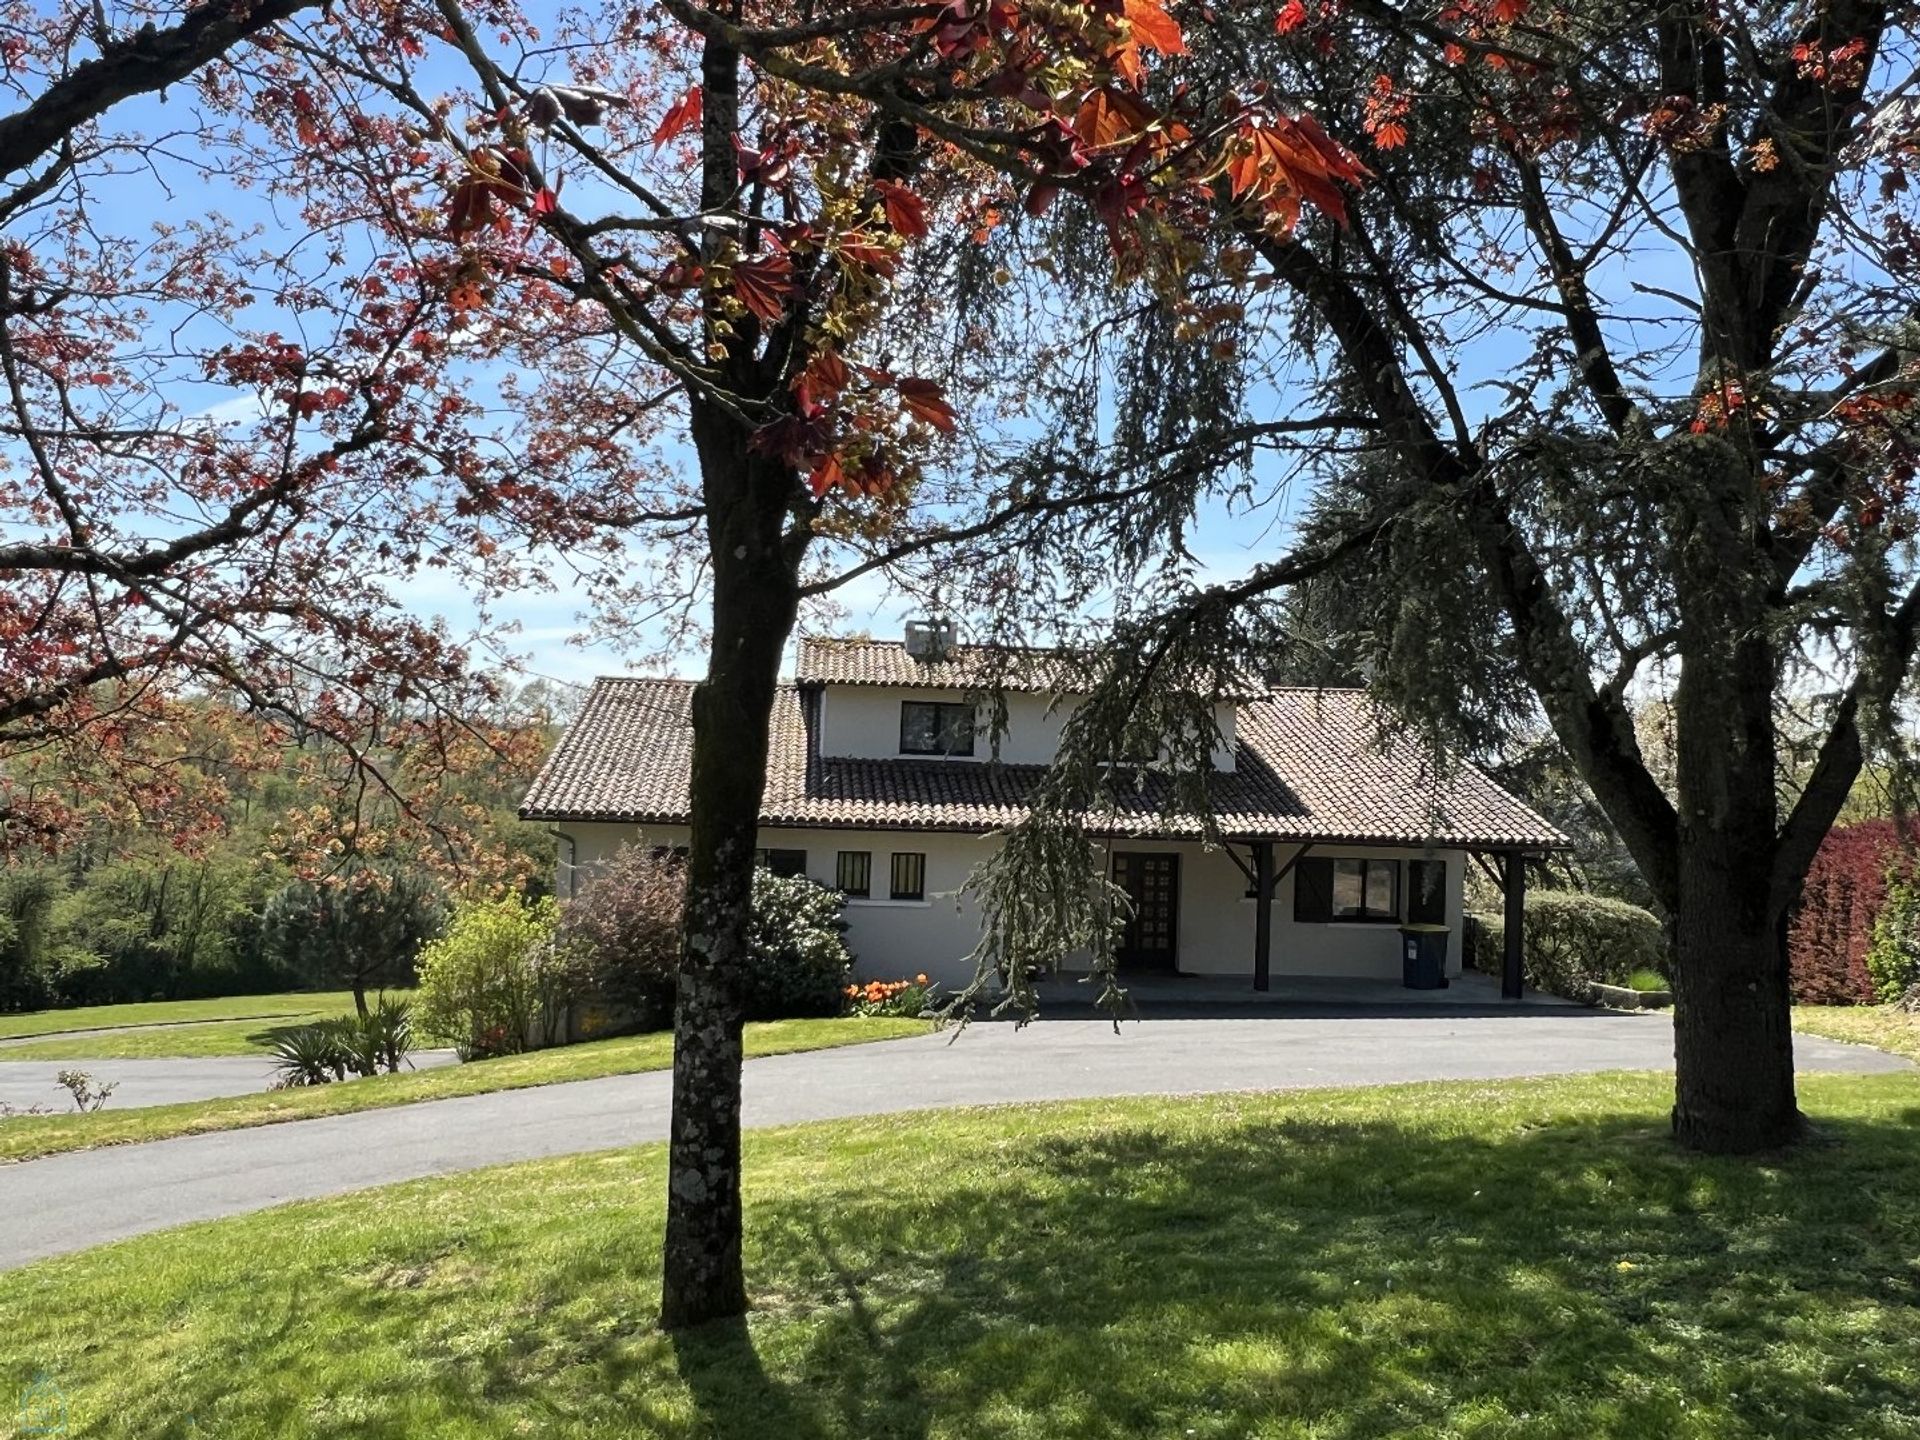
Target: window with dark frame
column 935, row 727
column 1426, row 892
column 909, row 876
column 1364, row 891
column 853, row 873
column 791, row 863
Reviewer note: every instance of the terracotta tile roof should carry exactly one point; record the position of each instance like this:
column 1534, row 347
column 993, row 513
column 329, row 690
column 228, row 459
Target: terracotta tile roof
column 832, row 660
column 1307, row 768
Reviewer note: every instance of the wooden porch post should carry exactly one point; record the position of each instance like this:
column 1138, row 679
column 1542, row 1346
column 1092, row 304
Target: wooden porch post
column 1511, row 969
column 1262, row 913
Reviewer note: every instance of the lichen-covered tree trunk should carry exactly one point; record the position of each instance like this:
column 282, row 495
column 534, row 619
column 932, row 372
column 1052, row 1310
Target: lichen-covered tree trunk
column 755, row 600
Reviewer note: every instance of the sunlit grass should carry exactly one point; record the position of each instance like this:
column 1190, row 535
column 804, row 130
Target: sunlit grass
column 290, row 1007
column 28, row 1136
column 1878, row 1025
column 1523, row 1259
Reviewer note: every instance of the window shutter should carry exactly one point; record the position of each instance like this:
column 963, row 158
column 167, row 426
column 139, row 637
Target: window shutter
column 1313, row 890
column 1427, row 887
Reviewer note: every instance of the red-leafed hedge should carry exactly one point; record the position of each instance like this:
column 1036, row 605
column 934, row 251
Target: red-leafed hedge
column 1831, row 927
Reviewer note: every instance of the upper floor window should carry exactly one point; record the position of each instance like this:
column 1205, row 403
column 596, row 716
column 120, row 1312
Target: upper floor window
column 935, row 727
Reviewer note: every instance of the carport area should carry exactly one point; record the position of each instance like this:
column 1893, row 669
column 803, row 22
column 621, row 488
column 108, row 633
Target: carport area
column 1071, row 996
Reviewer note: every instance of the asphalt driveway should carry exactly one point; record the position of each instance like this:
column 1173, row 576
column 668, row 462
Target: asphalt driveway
column 68, row 1202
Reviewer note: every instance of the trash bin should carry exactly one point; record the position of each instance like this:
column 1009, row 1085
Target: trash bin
column 1423, row 957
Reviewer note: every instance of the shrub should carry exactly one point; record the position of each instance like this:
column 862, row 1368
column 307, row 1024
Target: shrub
column 371, row 1044
column 622, row 931
column 308, row 1055
column 493, row 984
column 1832, row 926
column 797, row 956
column 361, row 931
column 1893, row 950
column 1572, row 940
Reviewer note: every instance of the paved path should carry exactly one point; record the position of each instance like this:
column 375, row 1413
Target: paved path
column 68, row 1202
column 25, row 1083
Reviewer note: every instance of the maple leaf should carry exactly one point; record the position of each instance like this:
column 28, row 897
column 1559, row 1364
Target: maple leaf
column 860, row 249
column 906, row 211
column 1109, row 117
column 763, row 285
column 826, row 476
column 494, row 174
column 1154, row 28
column 924, row 399
column 1389, row 135
column 1292, row 16
column 1505, row 12
column 682, row 115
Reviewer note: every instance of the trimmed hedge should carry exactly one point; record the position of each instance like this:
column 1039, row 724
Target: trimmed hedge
column 1573, row 940
column 1832, row 927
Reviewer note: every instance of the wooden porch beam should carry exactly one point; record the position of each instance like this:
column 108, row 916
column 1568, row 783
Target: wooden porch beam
column 1265, row 881
column 1512, row 972
column 1262, row 914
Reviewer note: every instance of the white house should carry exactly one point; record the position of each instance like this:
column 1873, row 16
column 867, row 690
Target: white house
column 880, row 782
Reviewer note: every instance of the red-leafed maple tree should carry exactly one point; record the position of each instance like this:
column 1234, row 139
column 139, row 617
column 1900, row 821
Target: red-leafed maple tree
column 215, row 460
column 708, row 259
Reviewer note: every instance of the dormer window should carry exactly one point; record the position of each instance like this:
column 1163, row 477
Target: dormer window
column 935, row 727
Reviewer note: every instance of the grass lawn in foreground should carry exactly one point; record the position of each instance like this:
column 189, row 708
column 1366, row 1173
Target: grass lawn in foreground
column 1881, row 1026
column 27, row 1137
column 294, row 1007
column 1521, row 1259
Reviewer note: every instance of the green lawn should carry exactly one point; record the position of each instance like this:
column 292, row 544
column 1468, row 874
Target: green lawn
column 27, row 1137
column 167, row 1042
column 292, row 1008
column 1527, row 1259
column 1878, row 1025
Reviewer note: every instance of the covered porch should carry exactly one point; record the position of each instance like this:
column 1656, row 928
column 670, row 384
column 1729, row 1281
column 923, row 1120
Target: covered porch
column 1300, row 919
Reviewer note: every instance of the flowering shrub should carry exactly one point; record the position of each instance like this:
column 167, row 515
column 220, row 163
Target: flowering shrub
column 797, row 957
column 890, row 997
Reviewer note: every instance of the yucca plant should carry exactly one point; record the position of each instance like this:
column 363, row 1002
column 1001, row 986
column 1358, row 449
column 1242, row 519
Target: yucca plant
column 310, row 1055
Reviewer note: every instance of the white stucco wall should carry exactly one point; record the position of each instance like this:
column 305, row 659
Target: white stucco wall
column 1215, row 922
column 863, row 722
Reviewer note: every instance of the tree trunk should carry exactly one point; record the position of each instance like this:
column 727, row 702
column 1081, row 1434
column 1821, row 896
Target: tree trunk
column 1733, row 1043
column 755, row 600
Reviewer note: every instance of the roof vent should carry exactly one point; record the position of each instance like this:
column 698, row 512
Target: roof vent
column 931, row 640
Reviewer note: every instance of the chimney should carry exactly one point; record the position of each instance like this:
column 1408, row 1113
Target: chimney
column 931, row 639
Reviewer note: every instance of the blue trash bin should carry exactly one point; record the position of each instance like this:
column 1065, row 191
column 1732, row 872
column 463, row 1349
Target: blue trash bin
column 1423, row 957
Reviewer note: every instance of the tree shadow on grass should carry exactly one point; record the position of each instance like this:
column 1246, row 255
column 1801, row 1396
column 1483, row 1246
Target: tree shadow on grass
column 1270, row 1274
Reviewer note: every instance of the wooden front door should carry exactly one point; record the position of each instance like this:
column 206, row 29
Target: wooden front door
column 1152, row 882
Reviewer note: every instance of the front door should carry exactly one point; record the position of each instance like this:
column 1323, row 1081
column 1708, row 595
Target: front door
column 1152, row 883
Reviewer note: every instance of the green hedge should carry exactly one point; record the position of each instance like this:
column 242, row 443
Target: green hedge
column 1572, row 941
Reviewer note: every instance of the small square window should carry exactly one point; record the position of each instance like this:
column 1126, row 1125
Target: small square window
column 909, row 876
column 854, row 873
column 790, row 863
